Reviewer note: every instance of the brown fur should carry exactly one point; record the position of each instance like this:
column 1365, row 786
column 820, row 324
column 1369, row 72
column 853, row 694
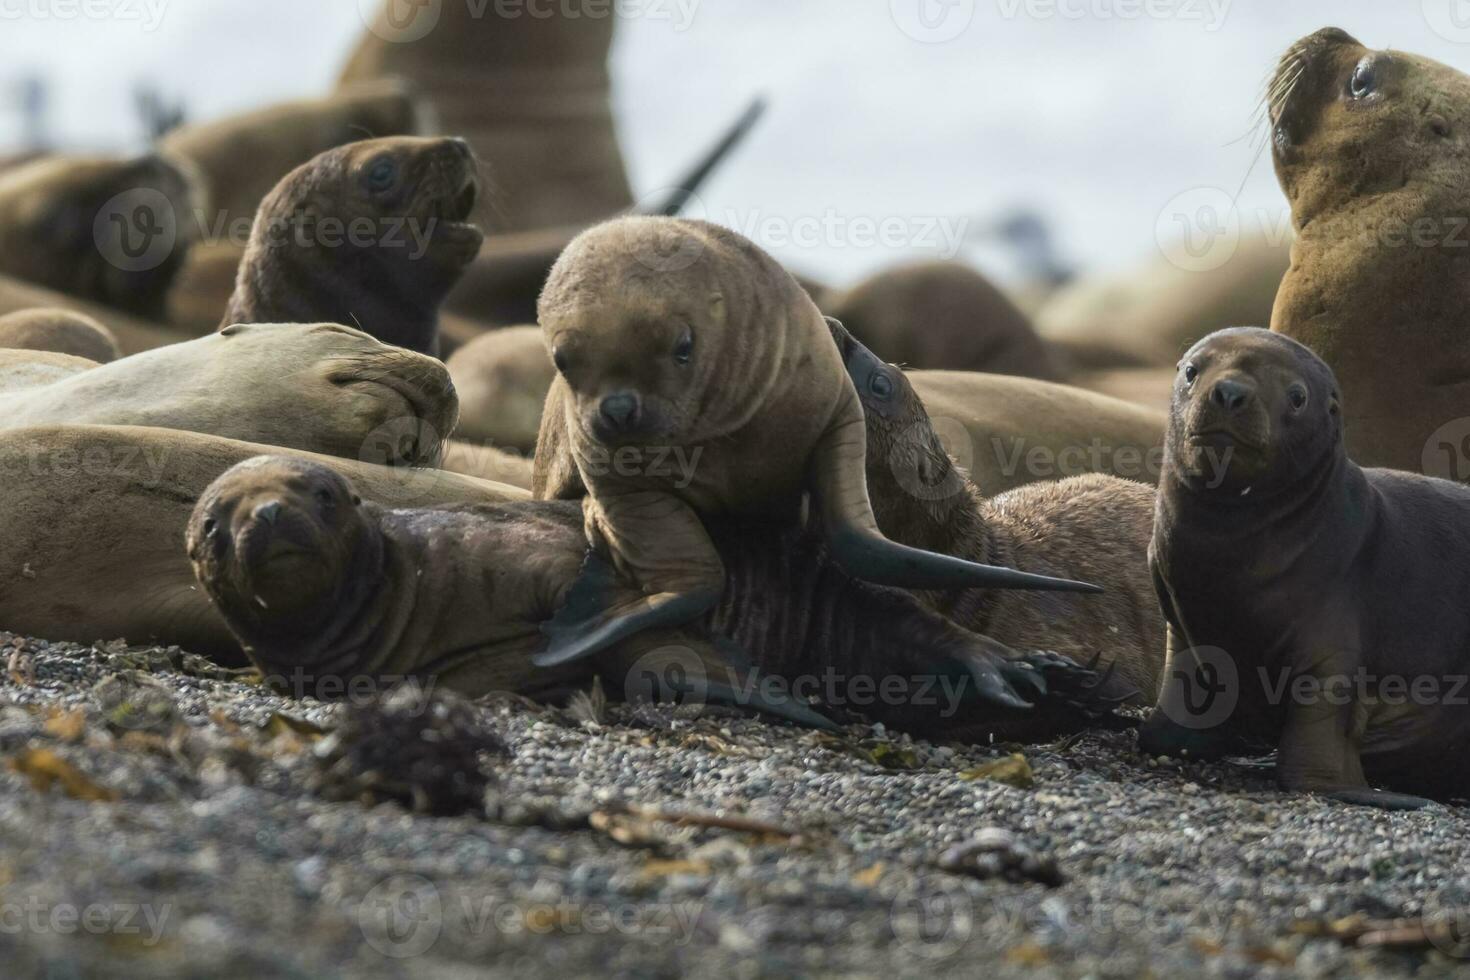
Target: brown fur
column 92, row 531
column 1380, row 302
column 59, row 331
column 32, row 368
column 487, row 463
column 502, row 379
column 134, row 334
column 302, row 268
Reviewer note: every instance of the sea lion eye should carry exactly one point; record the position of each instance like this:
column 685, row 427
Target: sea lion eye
column 559, row 358
column 356, row 500
column 1297, row 396
column 1364, row 81
column 684, row 349
column 382, row 175
column 210, row 527
column 1190, row 373
column 881, row 385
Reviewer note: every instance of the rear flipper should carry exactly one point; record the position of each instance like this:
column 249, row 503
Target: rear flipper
column 1379, row 799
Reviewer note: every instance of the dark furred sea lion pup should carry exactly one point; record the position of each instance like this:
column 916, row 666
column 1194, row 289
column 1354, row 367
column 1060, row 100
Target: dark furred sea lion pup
column 696, row 379
column 371, row 234
column 1092, row 527
column 1310, row 602
column 322, row 588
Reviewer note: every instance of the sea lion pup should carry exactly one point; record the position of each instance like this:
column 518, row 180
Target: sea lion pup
column 697, row 379
column 59, row 331
column 316, row 387
column 111, row 231
column 319, row 584
column 92, row 529
column 1330, row 598
column 1093, row 527
column 372, row 233
column 502, row 379
column 943, row 315
column 241, row 157
column 1008, row 432
column 1370, row 150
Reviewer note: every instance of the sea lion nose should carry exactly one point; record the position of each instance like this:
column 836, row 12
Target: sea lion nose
column 621, row 408
column 268, row 511
column 1231, row 395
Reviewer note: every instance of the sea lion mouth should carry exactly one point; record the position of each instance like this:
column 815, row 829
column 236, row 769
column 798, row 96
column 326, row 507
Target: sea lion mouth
column 430, row 401
column 1220, row 437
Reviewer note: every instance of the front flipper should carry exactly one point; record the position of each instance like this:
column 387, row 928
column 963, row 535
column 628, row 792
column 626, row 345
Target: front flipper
column 1379, row 799
column 664, row 548
column 839, row 484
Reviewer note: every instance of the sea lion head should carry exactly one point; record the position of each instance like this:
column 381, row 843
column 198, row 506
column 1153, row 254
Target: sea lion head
column 1348, row 122
column 410, row 197
column 664, row 327
column 107, row 230
column 282, row 546
column 58, row 330
column 396, row 406
column 1254, row 413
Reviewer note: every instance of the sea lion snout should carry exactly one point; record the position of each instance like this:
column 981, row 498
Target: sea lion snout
column 1232, row 394
column 621, row 410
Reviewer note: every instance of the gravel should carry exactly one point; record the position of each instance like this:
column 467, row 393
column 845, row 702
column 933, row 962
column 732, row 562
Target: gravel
column 160, row 816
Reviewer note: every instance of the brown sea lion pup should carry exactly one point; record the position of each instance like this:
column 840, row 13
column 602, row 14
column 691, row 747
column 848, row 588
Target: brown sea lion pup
column 1370, row 149
column 240, row 158
column 1149, row 315
column 59, row 331
column 92, row 529
column 696, row 379
column 319, row 388
column 502, row 379
column 530, row 92
column 111, row 231
column 1310, row 602
column 1095, row 528
column 373, row 234
column 319, row 584
column 133, row 334
column 943, row 315
column 1008, row 432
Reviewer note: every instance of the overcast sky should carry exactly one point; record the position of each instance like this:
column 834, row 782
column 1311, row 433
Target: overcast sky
column 897, row 127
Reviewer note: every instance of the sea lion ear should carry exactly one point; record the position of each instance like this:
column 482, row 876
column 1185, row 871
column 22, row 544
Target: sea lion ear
column 356, row 500
column 717, row 308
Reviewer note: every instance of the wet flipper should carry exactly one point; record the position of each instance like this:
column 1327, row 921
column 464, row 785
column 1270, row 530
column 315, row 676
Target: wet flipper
column 1379, row 799
column 754, row 696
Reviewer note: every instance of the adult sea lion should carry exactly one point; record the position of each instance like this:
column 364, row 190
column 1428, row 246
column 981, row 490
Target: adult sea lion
column 1094, row 527
column 320, row 388
column 60, row 331
column 502, row 378
column 1314, row 603
column 1008, row 432
column 33, row 368
column 697, row 379
column 530, row 92
column 943, row 315
column 133, row 333
column 488, row 463
column 372, row 234
column 111, row 231
column 1370, row 149
column 320, row 584
column 92, row 531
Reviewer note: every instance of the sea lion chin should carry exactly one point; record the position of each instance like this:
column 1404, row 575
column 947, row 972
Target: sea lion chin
column 374, row 233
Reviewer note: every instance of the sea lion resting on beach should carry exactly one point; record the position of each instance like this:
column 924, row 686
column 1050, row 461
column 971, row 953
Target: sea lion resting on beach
column 697, row 380
column 110, row 231
column 320, row 585
column 1310, row 602
column 92, row 531
column 1095, row 528
column 502, row 379
column 319, row 388
column 59, row 331
column 133, row 334
column 373, row 234
column 1370, row 149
